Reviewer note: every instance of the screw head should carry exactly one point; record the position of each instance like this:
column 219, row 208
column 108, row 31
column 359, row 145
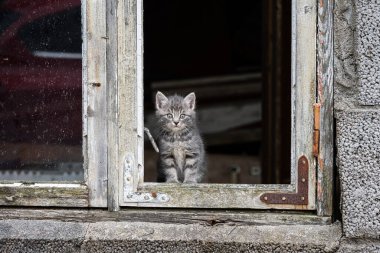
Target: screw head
column 266, row 198
column 303, row 180
column 283, row 198
column 302, row 198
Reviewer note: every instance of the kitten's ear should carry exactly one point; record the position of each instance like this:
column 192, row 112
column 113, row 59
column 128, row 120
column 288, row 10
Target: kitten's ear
column 190, row 100
column 161, row 100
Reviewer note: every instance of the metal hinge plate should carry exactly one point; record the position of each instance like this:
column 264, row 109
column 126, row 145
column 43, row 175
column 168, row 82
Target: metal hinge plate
column 298, row 198
column 130, row 192
column 146, row 197
column 316, row 128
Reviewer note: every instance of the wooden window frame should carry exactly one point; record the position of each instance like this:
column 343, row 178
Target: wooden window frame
column 134, row 192
column 92, row 192
column 113, row 121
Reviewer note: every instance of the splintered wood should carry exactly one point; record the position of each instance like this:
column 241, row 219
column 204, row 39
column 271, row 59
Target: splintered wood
column 151, row 140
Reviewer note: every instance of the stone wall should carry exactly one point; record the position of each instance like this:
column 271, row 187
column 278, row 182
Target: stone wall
column 357, row 113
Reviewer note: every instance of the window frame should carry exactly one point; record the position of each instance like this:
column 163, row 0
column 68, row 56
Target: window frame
column 113, row 130
column 134, row 192
column 92, row 192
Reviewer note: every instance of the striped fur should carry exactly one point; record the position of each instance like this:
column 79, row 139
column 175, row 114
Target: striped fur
column 182, row 154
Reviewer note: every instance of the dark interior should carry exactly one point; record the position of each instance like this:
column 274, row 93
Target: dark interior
column 235, row 55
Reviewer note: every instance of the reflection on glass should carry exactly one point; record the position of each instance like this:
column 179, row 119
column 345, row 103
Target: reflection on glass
column 40, row 90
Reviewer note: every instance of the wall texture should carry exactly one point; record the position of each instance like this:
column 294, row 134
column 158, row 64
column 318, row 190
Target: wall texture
column 368, row 51
column 357, row 112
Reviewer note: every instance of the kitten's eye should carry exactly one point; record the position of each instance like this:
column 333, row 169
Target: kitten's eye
column 182, row 116
column 169, row 115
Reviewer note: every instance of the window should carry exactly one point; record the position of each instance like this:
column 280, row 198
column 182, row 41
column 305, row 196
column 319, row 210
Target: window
column 113, row 114
column 60, row 32
column 299, row 194
column 41, row 156
column 41, row 130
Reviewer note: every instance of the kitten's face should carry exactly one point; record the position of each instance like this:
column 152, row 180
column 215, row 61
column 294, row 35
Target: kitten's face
column 175, row 113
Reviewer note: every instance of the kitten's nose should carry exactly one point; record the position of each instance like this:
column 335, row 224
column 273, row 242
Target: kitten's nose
column 176, row 123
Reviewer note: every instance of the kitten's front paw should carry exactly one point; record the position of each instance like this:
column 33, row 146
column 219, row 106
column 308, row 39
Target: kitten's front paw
column 190, row 182
column 172, row 181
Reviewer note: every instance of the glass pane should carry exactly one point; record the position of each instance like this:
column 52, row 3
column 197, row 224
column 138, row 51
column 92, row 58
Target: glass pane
column 40, row 90
column 235, row 56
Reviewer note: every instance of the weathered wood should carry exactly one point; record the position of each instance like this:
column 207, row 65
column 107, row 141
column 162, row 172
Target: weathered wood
column 298, row 198
column 112, row 105
column 325, row 98
column 207, row 218
column 95, row 100
column 131, row 134
column 151, row 139
column 140, row 89
column 44, row 194
column 221, row 196
column 303, row 88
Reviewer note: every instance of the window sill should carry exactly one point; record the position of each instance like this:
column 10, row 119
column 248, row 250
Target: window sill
column 165, row 231
column 44, row 194
column 173, row 216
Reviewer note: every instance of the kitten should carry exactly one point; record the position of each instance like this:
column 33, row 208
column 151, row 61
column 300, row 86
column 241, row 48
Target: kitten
column 182, row 154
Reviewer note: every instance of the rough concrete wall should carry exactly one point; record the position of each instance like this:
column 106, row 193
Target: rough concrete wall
column 359, row 246
column 368, row 48
column 357, row 100
column 57, row 236
column 359, row 163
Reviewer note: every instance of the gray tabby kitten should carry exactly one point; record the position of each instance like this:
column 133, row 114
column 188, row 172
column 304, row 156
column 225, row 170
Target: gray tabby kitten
column 182, row 154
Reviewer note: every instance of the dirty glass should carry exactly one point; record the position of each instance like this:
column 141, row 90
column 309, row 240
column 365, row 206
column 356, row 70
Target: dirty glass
column 40, row 90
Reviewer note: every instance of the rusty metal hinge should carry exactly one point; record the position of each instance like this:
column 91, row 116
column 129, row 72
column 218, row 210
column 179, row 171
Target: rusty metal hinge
column 298, row 198
column 316, row 127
